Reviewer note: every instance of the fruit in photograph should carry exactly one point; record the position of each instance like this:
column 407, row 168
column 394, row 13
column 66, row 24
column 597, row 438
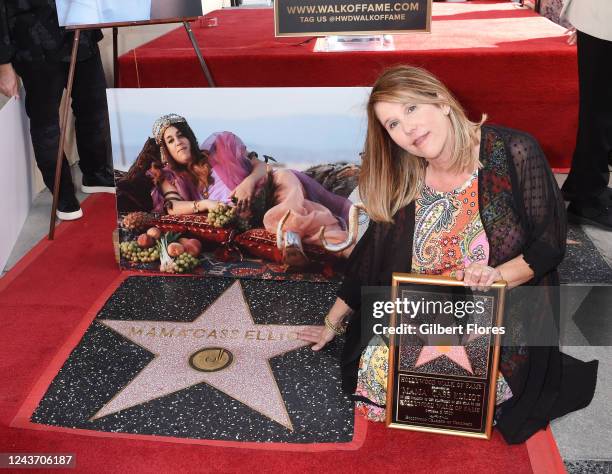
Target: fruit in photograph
column 175, row 249
column 145, row 241
column 132, row 252
column 136, row 220
column 221, row 215
column 173, row 257
column 185, row 263
column 154, row 233
column 191, row 249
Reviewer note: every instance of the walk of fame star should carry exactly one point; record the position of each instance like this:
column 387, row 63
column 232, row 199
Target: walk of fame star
column 222, row 347
column 455, row 353
column 451, row 346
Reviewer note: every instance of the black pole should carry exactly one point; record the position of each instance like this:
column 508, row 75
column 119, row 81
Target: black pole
column 196, row 48
column 115, row 57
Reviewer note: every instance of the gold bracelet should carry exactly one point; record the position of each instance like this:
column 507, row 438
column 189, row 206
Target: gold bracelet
column 195, row 207
column 338, row 330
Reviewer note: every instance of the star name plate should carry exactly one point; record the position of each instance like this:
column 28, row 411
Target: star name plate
column 444, row 344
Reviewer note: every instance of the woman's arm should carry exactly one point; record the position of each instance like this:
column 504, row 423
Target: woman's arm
column 320, row 336
column 540, row 205
column 176, row 205
column 246, row 189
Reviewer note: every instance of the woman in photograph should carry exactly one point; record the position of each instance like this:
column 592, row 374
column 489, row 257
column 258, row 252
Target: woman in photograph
column 190, row 179
column 479, row 203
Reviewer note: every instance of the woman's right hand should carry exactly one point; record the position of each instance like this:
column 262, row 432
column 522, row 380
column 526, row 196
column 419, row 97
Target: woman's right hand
column 9, row 83
column 320, row 336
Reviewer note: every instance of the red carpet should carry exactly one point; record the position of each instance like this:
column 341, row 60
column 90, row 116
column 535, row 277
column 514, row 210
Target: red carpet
column 44, row 298
column 499, row 59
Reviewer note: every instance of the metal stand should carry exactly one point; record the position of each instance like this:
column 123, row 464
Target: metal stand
column 115, row 57
column 196, row 48
column 64, row 110
column 63, row 128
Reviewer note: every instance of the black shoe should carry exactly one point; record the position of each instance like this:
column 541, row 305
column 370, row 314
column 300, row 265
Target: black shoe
column 598, row 215
column 101, row 181
column 68, row 208
column 569, row 196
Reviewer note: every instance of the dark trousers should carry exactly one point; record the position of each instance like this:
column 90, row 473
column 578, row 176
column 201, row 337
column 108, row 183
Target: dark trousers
column 589, row 174
column 44, row 83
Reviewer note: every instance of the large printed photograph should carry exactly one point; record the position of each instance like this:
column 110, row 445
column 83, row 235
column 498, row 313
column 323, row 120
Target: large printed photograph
column 73, row 13
column 238, row 182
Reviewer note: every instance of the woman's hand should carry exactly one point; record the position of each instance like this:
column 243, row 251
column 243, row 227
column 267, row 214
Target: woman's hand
column 243, row 194
column 479, row 277
column 9, row 83
column 571, row 36
column 320, row 336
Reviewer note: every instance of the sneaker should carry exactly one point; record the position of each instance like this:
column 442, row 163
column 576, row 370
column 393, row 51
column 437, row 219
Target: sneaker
column 599, row 216
column 569, row 196
column 99, row 182
column 68, row 208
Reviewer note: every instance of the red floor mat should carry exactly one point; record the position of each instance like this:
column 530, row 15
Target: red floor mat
column 42, row 301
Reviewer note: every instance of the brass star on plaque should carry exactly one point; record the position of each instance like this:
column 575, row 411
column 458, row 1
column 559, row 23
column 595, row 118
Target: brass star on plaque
column 223, row 347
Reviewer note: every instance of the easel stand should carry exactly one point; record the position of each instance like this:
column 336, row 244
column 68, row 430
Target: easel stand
column 66, row 104
column 63, row 127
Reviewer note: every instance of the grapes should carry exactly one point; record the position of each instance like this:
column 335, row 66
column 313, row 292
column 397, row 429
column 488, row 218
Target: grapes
column 133, row 253
column 186, row 263
column 223, row 215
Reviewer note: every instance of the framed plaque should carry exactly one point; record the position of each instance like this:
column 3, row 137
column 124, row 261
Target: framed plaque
column 443, row 355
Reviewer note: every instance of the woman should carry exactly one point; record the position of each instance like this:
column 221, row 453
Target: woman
column 189, row 180
column 452, row 197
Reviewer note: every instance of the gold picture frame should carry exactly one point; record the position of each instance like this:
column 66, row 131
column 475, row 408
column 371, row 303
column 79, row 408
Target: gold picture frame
column 414, row 397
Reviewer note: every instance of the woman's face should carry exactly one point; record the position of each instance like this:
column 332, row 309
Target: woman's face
column 178, row 145
column 423, row 130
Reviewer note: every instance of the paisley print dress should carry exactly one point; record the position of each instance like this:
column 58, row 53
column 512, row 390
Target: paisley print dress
column 448, row 236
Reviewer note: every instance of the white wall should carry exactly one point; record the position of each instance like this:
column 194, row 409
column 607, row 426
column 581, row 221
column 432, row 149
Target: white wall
column 17, row 176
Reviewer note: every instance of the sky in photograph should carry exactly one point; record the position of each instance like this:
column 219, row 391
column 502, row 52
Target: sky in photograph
column 297, row 126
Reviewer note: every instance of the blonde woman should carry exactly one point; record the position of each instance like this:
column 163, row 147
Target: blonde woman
column 476, row 202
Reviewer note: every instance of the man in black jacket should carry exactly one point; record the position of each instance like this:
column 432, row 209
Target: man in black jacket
column 34, row 47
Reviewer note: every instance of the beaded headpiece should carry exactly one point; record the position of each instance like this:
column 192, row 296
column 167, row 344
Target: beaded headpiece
column 162, row 123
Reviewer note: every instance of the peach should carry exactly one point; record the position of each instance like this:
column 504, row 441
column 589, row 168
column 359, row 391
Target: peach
column 145, row 241
column 196, row 243
column 191, row 249
column 175, row 249
column 154, row 233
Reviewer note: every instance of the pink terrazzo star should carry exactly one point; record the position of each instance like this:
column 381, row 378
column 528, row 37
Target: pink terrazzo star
column 226, row 324
column 455, row 353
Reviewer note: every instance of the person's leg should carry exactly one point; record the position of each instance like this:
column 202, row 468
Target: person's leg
column 44, row 84
column 307, row 217
column 92, row 126
column 586, row 185
column 589, row 173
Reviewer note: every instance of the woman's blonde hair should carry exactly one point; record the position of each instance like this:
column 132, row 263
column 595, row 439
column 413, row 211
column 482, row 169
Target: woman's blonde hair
column 390, row 177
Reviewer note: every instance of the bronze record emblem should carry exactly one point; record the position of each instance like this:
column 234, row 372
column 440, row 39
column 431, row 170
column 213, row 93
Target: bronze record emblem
column 211, row 359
